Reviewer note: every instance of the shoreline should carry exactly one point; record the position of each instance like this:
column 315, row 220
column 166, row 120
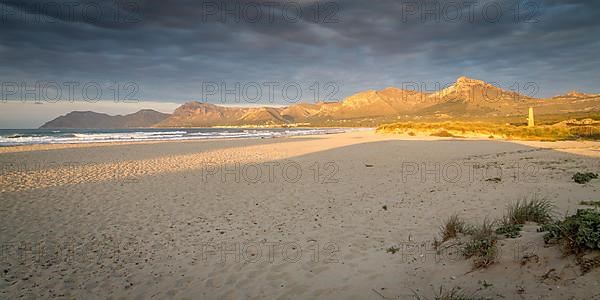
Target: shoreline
column 52, row 146
column 396, row 136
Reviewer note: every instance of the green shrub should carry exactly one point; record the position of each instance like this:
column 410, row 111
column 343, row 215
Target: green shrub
column 582, row 178
column 578, row 233
column 392, row 250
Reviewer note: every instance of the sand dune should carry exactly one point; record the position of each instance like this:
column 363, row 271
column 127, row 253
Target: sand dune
column 290, row 218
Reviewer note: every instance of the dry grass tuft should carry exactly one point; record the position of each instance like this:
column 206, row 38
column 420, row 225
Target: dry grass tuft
column 452, row 227
column 451, row 294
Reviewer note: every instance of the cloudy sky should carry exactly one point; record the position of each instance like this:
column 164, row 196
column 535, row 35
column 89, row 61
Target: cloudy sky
column 162, row 53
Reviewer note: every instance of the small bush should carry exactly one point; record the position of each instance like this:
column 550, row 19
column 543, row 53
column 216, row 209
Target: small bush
column 582, row 178
column 590, row 203
column 578, row 233
column 411, row 133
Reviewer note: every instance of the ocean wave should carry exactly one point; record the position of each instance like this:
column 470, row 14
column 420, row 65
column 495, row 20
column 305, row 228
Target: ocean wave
column 56, row 137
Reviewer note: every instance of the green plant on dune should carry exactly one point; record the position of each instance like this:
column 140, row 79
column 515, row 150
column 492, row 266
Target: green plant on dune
column 582, row 178
column 577, row 233
column 482, row 245
column 510, row 230
column 532, row 210
column 392, row 250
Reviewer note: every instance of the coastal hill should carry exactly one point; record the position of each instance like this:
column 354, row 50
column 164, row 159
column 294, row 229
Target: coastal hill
column 94, row 120
column 466, row 98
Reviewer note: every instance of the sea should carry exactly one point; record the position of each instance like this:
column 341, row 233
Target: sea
column 15, row 137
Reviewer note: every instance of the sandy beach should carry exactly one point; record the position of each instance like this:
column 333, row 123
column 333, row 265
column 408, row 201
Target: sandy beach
column 286, row 218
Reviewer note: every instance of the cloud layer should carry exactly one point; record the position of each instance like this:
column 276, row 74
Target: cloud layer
column 169, row 48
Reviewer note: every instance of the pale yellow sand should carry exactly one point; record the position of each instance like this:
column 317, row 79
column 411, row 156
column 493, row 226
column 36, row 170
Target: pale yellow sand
column 147, row 220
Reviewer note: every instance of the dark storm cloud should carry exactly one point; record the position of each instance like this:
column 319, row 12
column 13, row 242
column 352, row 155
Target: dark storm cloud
column 170, row 47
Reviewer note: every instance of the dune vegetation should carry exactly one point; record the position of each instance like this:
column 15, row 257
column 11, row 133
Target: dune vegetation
column 566, row 130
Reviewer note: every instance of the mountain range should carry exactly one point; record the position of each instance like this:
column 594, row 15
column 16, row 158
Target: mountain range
column 465, row 98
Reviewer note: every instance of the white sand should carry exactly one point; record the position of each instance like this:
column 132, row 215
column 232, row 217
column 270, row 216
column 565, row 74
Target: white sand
column 146, row 220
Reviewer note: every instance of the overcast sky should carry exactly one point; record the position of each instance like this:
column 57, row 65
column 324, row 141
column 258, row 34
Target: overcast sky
column 164, row 53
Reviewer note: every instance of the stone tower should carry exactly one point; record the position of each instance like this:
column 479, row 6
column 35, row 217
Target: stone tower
column 530, row 120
